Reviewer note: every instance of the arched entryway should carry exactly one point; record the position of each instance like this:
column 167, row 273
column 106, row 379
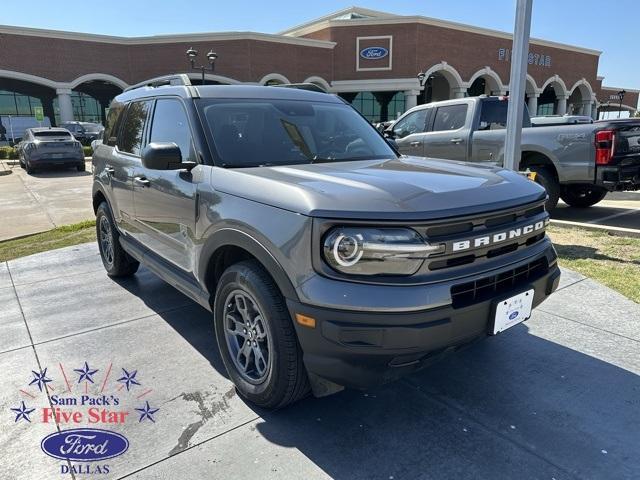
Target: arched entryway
column 442, row 82
column 553, row 99
column 485, row 82
column 581, row 99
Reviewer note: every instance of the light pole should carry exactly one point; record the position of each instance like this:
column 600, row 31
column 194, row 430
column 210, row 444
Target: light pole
column 211, row 56
column 621, row 97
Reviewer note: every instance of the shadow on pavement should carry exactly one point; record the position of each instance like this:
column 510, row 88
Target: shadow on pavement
column 513, row 406
column 575, row 252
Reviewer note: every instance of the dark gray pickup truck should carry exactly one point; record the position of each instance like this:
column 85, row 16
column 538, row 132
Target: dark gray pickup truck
column 327, row 259
column 578, row 163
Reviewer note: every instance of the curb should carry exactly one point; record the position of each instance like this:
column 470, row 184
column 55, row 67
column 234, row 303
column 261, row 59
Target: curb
column 617, row 231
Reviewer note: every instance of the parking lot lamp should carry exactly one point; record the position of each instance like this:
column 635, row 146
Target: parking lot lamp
column 621, row 97
column 211, row 57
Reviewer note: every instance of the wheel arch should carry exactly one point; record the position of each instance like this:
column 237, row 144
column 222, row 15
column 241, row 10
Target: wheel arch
column 532, row 158
column 98, row 197
column 228, row 246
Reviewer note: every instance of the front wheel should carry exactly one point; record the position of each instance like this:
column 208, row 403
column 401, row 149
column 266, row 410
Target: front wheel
column 256, row 337
column 117, row 262
column 582, row 196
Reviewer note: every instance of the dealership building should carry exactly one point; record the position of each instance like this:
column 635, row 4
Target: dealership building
column 370, row 58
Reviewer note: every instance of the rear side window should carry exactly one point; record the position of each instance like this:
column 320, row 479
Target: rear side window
column 113, row 121
column 493, row 116
column 130, row 139
column 450, row 117
column 170, row 124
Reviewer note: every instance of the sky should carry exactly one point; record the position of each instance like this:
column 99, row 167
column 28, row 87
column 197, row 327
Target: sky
column 607, row 25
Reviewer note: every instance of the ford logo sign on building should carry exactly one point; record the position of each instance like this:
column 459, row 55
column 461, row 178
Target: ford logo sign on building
column 374, row 53
column 84, row 444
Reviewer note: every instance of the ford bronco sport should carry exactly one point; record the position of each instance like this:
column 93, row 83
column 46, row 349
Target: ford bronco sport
column 327, row 259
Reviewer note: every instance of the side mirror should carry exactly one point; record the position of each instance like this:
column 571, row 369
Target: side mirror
column 162, row 156
column 389, row 133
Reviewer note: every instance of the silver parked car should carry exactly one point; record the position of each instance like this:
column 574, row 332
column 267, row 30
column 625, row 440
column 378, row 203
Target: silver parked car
column 42, row 147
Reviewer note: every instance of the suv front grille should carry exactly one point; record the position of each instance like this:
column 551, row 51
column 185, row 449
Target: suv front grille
column 486, row 288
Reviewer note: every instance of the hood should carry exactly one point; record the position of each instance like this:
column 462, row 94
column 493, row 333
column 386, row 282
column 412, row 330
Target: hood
column 407, row 188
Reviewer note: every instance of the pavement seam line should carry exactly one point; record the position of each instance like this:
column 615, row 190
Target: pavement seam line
column 589, row 326
column 571, row 284
column 35, row 353
column 464, row 413
column 191, row 447
column 610, row 217
column 122, row 322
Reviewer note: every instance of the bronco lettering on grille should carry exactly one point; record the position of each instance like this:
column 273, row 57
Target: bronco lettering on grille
column 499, row 237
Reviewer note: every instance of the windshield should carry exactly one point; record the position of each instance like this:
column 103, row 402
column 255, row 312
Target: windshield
column 265, row 132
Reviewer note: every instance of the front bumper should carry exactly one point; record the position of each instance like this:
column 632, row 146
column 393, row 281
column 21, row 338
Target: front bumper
column 619, row 177
column 361, row 349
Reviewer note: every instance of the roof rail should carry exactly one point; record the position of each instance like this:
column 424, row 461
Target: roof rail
column 174, row 79
column 302, row 86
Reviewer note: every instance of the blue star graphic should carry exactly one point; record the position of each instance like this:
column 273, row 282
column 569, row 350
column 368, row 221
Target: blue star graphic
column 40, row 379
column 128, row 378
column 147, row 412
column 85, row 374
column 23, row 412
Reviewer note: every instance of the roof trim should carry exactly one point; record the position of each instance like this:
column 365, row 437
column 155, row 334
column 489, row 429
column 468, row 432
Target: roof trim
column 401, row 19
column 616, row 89
column 154, row 39
column 353, row 9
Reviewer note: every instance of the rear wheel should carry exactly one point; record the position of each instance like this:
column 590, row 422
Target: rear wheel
column 117, row 262
column 256, row 337
column 29, row 167
column 582, row 196
column 546, row 178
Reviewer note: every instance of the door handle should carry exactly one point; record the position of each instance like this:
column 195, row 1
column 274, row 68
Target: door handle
column 415, row 144
column 456, row 140
column 142, row 181
column 109, row 170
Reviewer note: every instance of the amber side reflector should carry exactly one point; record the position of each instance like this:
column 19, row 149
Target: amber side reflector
column 305, row 321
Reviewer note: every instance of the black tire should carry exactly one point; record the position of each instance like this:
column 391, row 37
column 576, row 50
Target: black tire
column 21, row 161
column 546, row 178
column 82, row 167
column 117, row 262
column 29, row 168
column 285, row 379
column 582, row 196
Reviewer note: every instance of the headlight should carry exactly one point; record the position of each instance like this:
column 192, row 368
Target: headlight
column 376, row 251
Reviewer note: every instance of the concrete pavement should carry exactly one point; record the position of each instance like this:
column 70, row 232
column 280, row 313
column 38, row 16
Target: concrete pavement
column 42, row 201
column 554, row 398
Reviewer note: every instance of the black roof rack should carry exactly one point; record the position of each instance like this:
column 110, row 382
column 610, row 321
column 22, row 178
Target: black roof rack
column 173, row 80
column 312, row 87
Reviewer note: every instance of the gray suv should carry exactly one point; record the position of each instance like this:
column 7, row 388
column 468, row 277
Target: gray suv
column 327, row 259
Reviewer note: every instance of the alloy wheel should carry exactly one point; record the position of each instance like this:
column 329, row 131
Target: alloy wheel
column 246, row 336
column 106, row 240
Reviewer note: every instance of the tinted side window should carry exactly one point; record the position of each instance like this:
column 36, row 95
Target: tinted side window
column 412, row 123
column 170, row 124
column 113, row 121
column 130, row 139
column 451, row 117
column 493, row 116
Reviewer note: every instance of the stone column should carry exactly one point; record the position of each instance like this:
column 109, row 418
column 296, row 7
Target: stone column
column 594, row 110
column 410, row 99
column 533, row 104
column 586, row 108
column 65, row 105
column 458, row 92
column 562, row 104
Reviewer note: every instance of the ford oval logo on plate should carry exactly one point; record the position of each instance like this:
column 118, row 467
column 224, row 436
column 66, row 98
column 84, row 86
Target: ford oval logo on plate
column 84, row 444
column 374, row 53
column 513, row 315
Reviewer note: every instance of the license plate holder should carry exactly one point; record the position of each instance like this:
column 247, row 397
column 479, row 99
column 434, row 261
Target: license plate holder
column 512, row 311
